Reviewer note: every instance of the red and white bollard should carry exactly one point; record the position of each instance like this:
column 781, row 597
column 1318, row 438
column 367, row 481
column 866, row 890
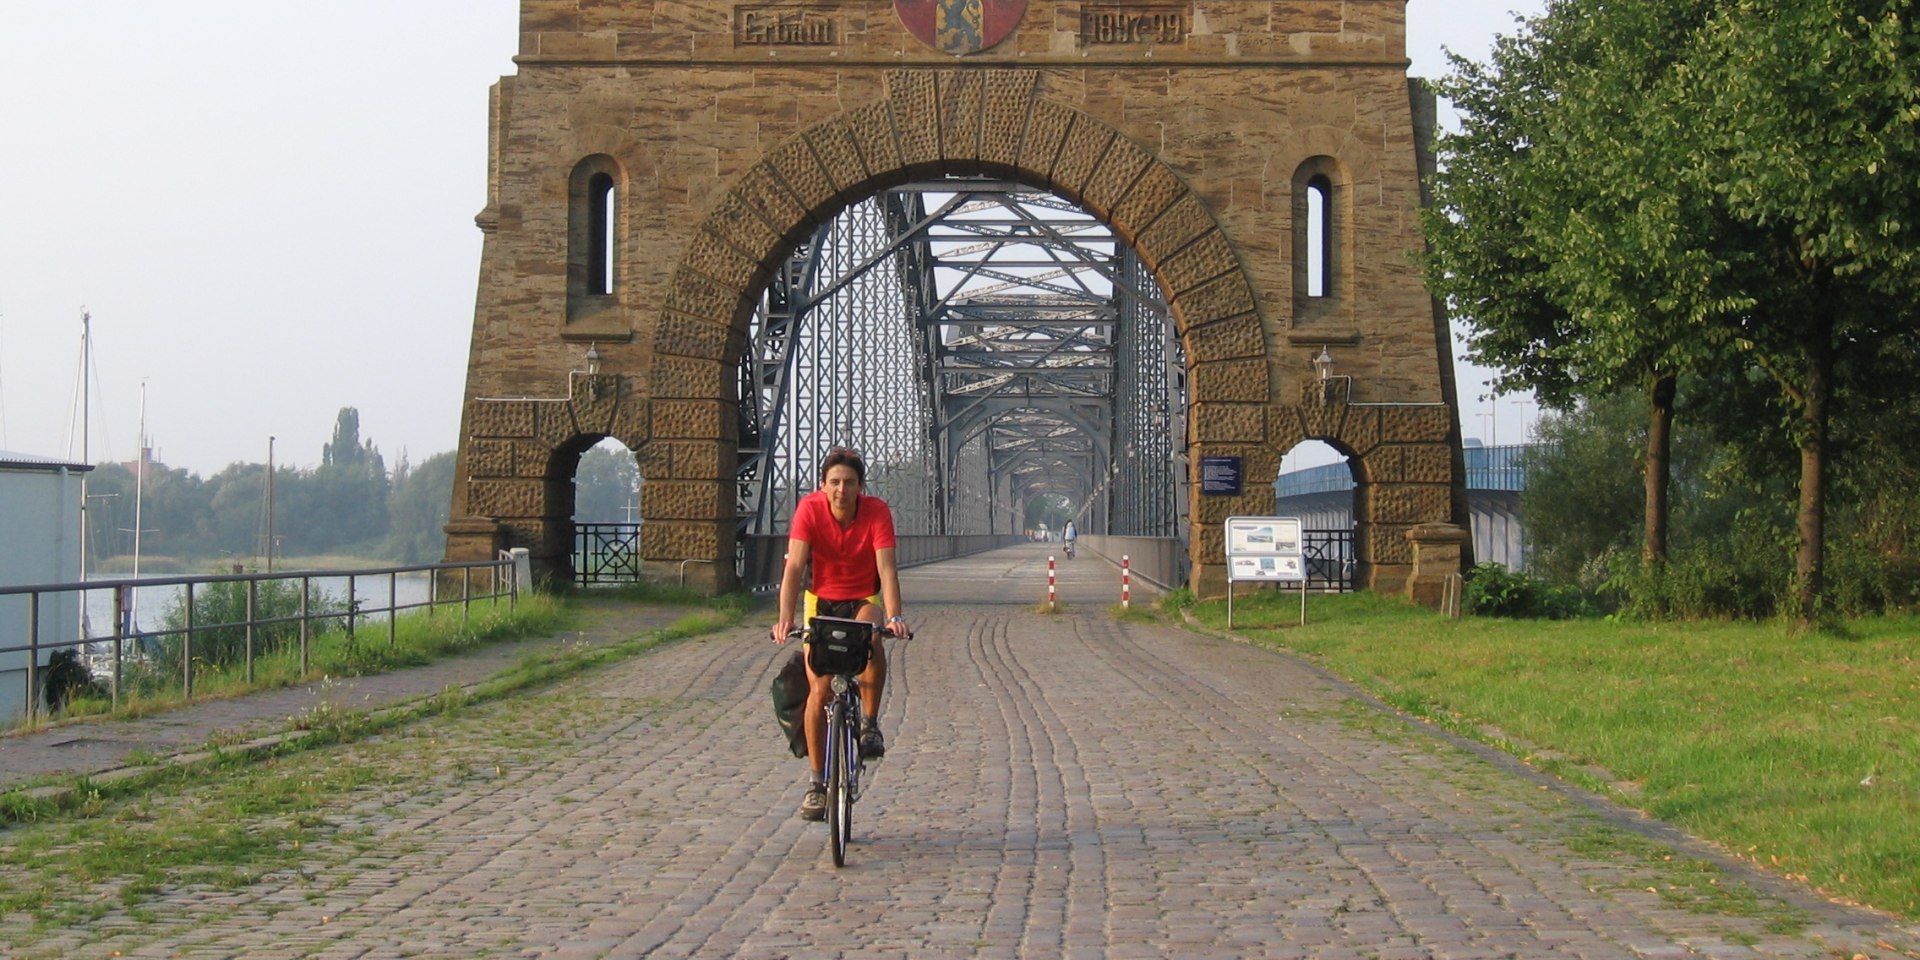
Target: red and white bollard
column 1126, row 583
column 1050, row 594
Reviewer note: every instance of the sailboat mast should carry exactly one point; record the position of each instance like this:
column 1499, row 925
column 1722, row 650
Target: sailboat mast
column 140, row 479
column 86, row 362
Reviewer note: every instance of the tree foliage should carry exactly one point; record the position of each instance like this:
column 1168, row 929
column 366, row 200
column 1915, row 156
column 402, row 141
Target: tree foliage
column 1650, row 190
column 349, row 503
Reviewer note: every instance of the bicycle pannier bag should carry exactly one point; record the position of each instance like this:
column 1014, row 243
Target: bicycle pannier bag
column 839, row 646
column 789, row 691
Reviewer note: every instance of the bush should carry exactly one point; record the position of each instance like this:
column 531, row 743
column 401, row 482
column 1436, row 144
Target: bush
column 220, row 617
column 1745, row 575
column 1495, row 591
column 68, row 680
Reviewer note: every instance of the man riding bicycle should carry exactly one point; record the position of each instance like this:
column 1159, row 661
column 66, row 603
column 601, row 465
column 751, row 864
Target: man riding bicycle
column 848, row 538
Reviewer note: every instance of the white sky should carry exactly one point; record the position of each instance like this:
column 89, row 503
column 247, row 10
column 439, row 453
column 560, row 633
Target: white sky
column 268, row 209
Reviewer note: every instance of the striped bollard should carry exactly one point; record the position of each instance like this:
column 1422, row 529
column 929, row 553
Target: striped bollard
column 1126, row 583
column 1050, row 595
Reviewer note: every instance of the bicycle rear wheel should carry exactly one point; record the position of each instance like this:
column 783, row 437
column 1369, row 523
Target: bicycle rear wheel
column 841, row 757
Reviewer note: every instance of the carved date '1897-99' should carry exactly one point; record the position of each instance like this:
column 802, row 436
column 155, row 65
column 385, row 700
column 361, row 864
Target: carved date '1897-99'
column 1142, row 23
column 782, row 26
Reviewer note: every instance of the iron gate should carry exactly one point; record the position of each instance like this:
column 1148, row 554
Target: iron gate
column 1329, row 556
column 606, row 553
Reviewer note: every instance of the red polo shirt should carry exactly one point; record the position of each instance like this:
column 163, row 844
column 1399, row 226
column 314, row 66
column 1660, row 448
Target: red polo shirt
column 844, row 567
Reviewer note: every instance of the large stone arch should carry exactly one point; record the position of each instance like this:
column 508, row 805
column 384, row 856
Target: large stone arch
column 999, row 123
column 730, row 140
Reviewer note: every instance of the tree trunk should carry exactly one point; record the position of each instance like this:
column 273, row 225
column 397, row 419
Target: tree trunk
column 1810, row 563
column 1653, row 548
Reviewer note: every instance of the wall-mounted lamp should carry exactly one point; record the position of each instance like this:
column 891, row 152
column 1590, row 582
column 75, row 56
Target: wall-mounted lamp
column 1323, row 364
column 597, row 386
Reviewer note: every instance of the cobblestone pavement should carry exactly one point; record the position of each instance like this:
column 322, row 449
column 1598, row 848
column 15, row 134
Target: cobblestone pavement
column 1057, row 786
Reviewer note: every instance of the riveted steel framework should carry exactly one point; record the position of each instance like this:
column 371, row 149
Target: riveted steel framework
column 982, row 344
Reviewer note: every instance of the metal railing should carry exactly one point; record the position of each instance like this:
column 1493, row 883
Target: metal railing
column 440, row 585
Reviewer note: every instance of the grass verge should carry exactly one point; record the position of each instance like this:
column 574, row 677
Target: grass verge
column 329, row 723
column 1797, row 751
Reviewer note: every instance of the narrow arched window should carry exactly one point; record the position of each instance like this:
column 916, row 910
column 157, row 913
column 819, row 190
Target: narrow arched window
column 601, row 249
column 595, row 194
column 1319, row 235
column 1322, row 242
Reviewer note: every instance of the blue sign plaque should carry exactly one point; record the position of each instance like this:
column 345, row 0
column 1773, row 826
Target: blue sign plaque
column 1220, row 476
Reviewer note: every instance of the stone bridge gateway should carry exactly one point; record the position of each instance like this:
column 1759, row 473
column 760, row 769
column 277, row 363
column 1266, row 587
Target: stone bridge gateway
column 653, row 165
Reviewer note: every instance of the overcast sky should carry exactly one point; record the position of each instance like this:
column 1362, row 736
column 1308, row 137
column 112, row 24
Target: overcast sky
column 268, row 209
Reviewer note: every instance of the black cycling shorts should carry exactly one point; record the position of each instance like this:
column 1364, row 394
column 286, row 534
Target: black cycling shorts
column 844, row 609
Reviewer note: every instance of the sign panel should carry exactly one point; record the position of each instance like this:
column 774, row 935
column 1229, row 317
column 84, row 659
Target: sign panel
column 1265, row 548
column 1220, row 476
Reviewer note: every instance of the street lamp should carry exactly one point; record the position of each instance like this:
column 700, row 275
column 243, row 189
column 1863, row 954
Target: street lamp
column 593, row 359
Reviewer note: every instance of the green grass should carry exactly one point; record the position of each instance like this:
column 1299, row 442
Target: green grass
column 113, row 850
column 1799, row 751
column 419, row 638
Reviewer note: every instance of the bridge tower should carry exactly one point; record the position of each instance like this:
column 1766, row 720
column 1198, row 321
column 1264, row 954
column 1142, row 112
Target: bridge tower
column 655, row 166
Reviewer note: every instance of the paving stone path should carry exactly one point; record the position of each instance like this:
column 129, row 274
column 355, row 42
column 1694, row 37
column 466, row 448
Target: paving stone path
column 1057, row 786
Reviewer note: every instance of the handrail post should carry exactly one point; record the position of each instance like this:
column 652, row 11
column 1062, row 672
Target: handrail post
column 393, row 609
column 252, row 591
column 466, row 593
column 119, row 640
column 306, row 630
column 186, row 647
column 33, row 655
column 352, row 606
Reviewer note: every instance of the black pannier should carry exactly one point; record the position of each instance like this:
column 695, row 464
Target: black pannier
column 839, row 646
column 789, row 699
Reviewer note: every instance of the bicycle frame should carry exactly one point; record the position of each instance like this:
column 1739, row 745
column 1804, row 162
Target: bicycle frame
column 842, row 762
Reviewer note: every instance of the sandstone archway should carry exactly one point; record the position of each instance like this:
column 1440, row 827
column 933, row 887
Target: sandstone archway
column 720, row 144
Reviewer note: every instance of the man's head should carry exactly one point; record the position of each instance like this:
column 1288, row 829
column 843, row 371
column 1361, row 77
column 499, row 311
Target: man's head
column 843, row 476
column 843, row 457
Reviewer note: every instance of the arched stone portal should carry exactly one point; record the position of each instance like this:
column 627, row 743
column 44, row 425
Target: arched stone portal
column 712, row 144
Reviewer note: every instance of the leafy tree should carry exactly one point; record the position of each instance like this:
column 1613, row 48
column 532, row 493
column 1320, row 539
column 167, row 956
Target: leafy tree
column 606, row 486
column 1050, row 509
column 1536, row 226
column 1684, row 196
column 417, row 509
column 348, row 491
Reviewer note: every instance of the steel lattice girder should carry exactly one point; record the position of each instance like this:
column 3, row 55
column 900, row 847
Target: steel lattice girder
column 976, row 340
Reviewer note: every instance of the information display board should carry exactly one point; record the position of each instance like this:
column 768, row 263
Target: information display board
column 1265, row 549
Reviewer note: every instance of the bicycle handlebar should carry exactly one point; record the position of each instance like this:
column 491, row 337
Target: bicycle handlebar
column 802, row 633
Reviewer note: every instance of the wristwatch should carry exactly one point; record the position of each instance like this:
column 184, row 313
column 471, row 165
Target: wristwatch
column 896, row 618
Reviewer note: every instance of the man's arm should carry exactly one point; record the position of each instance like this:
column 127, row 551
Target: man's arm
column 790, row 589
column 883, row 558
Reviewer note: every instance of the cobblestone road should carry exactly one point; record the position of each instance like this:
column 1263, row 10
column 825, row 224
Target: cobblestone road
column 1057, row 786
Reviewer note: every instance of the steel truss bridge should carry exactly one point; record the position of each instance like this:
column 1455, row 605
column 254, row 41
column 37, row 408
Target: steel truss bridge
column 982, row 345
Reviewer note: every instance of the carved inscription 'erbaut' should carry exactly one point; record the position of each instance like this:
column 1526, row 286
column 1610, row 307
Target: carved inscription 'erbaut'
column 781, row 26
column 1133, row 23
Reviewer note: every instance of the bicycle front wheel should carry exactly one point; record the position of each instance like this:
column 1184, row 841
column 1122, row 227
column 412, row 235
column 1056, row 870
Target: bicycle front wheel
column 841, row 756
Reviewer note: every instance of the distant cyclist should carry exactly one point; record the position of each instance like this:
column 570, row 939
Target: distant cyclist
column 1068, row 536
column 848, row 538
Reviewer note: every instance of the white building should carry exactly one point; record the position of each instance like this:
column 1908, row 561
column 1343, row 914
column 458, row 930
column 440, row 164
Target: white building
column 39, row 544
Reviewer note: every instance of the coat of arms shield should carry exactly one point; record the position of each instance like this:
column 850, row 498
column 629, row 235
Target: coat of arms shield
column 960, row 26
